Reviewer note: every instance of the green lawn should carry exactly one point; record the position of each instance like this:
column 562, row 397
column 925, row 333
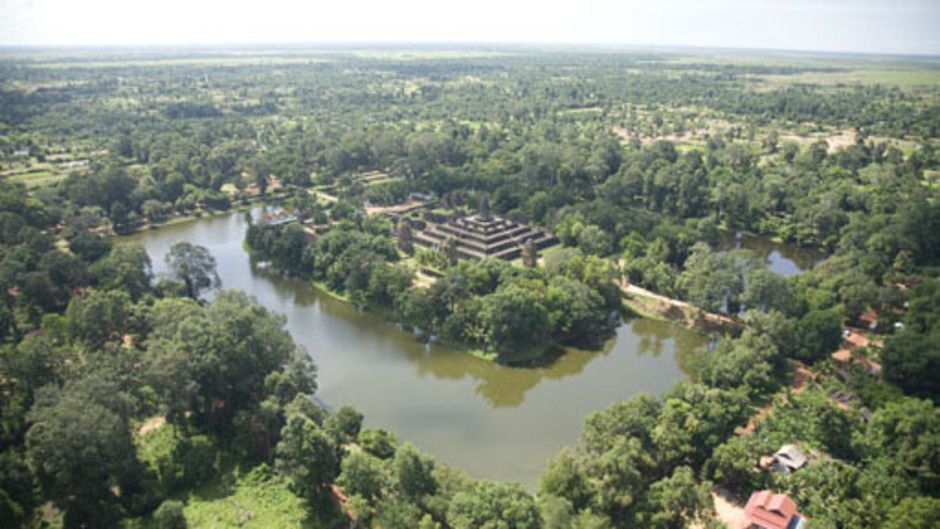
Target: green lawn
column 257, row 499
column 254, row 499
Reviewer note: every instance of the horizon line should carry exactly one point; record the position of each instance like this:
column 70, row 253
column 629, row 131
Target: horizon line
column 340, row 44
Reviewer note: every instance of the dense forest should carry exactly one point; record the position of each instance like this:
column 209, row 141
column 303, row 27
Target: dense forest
column 127, row 396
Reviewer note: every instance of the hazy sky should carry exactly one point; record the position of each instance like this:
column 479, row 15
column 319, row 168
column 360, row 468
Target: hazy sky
column 889, row 26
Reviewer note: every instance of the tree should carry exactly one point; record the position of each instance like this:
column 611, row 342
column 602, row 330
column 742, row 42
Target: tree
column 344, row 424
column 592, row 240
column 557, row 513
column 920, row 512
column 388, row 282
column 119, row 217
column 197, row 460
column 635, row 417
column 260, row 172
column 912, row 361
column 89, row 246
column 513, row 317
column 169, row 515
column 307, row 456
column 491, row 505
column 577, row 313
column 378, row 442
column 99, row 317
column 362, row 475
column 619, row 476
column 126, row 268
column 194, row 266
column 415, row 472
column 210, row 363
column 154, row 210
column 771, row 142
column 764, row 289
column 676, row 502
column 732, row 465
column 66, row 271
column 710, row 279
column 18, row 494
column 747, row 361
column 908, row 431
column 566, row 478
column 820, row 335
column 695, row 419
column 80, row 451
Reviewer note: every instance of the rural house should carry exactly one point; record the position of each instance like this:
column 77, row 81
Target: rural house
column 766, row 510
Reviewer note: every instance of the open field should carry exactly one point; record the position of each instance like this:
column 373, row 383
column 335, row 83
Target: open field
column 902, row 77
column 191, row 61
column 238, row 499
column 35, row 176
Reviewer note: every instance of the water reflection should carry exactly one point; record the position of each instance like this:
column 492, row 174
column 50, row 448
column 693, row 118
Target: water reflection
column 784, row 259
column 493, row 421
column 500, row 385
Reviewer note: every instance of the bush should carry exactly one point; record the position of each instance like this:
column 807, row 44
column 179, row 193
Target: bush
column 169, row 515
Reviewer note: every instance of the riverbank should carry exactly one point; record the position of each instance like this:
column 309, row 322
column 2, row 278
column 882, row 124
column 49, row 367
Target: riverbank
column 648, row 304
column 199, row 214
column 518, row 358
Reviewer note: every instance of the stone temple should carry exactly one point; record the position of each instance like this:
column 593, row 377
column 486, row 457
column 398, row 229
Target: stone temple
column 483, row 235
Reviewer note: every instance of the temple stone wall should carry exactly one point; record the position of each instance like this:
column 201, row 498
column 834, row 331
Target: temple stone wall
column 481, row 236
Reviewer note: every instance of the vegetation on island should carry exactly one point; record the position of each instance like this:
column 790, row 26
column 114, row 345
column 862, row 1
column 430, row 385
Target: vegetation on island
column 136, row 402
column 490, row 304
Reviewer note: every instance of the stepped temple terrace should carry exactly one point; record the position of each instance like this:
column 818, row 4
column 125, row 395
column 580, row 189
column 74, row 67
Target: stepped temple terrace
column 483, row 235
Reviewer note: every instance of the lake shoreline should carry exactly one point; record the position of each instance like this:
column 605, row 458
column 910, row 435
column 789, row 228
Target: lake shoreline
column 491, row 420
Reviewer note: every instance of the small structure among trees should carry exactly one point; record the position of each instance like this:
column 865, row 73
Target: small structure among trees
column 767, row 510
column 404, row 236
column 530, row 255
column 788, row 459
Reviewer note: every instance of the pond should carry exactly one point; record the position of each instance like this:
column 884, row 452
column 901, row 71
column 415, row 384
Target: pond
column 490, row 420
column 784, row 259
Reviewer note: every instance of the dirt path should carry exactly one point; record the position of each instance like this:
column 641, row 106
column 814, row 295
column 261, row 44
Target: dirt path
column 423, row 280
column 728, row 513
column 396, row 209
column 802, row 375
column 675, row 309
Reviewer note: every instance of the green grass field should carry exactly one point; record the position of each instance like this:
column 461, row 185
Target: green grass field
column 253, row 499
column 902, row 76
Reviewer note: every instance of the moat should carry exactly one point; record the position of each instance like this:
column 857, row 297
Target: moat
column 490, row 420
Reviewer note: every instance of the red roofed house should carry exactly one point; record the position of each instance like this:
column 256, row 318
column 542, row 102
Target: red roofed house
column 767, row 510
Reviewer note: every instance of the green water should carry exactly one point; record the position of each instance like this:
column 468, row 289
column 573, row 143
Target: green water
column 490, row 420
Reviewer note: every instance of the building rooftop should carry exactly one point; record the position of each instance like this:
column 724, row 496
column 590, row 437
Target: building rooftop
column 767, row 510
column 790, row 457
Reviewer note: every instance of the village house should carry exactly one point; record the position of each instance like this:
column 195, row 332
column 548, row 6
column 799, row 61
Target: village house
column 788, row 459
column 766, row 510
